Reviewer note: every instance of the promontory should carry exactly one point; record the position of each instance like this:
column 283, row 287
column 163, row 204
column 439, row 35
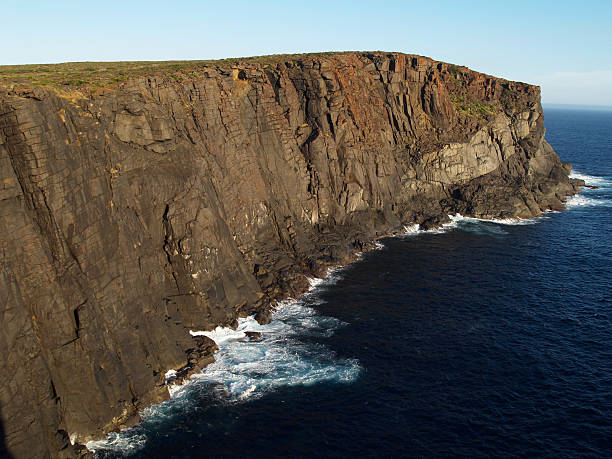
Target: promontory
column 142, row 200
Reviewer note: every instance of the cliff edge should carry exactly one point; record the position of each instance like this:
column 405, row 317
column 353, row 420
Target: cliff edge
column 134, row 212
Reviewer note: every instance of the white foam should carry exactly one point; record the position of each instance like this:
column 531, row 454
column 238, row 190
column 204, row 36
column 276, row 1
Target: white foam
column 475, row 225
column 513, row 221
column 249, row 369
column 118, row 442
column 580, row 200
column 170, row 374
column 590, row 197
column 174, row 388
column 245, row 370
column 468, row 224
column 591, row 179
column 378, row 245
column 414, row 229
column 332, row 276
column 445, row 228
column 314, row 282
column 222, row 334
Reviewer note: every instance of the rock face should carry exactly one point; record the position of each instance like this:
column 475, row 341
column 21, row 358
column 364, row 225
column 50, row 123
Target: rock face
column 129, row 217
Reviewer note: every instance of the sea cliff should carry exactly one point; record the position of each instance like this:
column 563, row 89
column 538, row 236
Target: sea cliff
column 134, row 212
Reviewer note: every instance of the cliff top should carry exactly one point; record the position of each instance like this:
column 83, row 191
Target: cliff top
column 92, row 76
column 469, row 90
column 103, row 74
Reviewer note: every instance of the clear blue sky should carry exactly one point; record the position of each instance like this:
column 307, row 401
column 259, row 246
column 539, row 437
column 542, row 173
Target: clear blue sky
column 564, row 46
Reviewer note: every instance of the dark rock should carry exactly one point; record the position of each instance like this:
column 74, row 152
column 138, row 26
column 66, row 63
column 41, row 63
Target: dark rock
column 264, row 316
column 197, row 358
column 253, row 336
column 434, row 222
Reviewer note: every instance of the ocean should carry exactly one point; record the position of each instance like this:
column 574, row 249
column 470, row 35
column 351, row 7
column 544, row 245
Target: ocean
column 483, row 338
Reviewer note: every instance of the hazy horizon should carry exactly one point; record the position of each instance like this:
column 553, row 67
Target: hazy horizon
column 560, row 46
column 578, row 106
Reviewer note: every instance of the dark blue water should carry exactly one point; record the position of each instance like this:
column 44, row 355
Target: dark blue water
column 486, row 340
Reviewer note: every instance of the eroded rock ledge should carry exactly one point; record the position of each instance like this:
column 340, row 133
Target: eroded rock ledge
column 131, row 216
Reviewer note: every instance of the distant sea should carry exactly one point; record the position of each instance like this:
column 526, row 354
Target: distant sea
column 582, row 108
column 476, row 340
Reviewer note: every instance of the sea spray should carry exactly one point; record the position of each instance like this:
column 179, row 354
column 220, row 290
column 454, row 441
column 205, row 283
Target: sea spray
column 587, row 201
column 473, row 224
column 591, row 180
column 588, row 197
column 247, row 369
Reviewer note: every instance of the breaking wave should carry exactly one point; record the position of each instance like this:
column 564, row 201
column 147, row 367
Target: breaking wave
column 580, row 200
column 589, row 197
column 475, row 225
column 592, row 180
column 247, row 369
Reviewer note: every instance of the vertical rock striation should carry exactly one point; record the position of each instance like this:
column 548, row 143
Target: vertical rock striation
column 131, row 216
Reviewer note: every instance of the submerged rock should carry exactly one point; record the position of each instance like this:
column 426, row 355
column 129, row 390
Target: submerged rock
column 253, row 336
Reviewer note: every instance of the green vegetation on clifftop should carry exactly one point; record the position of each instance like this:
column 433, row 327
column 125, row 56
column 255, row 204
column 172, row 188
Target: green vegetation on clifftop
column 93, row 75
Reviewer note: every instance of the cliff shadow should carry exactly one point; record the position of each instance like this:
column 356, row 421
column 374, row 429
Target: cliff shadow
column 3, row 449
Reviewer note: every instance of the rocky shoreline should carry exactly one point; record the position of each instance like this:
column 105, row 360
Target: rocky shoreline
column 162, row 204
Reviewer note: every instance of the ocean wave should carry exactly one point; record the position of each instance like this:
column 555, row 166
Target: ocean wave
column 124, row 443
column 245, row 369
column 592, row 198
column 250, row 369
column 378, row 245
column 415, row 229
column 412, row 229
column 591, row 179
column 513, row 221
column 580, row 200
column 472, row 224
column 599, row 196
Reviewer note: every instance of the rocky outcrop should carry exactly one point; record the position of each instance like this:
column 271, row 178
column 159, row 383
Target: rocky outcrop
column 132, row 215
